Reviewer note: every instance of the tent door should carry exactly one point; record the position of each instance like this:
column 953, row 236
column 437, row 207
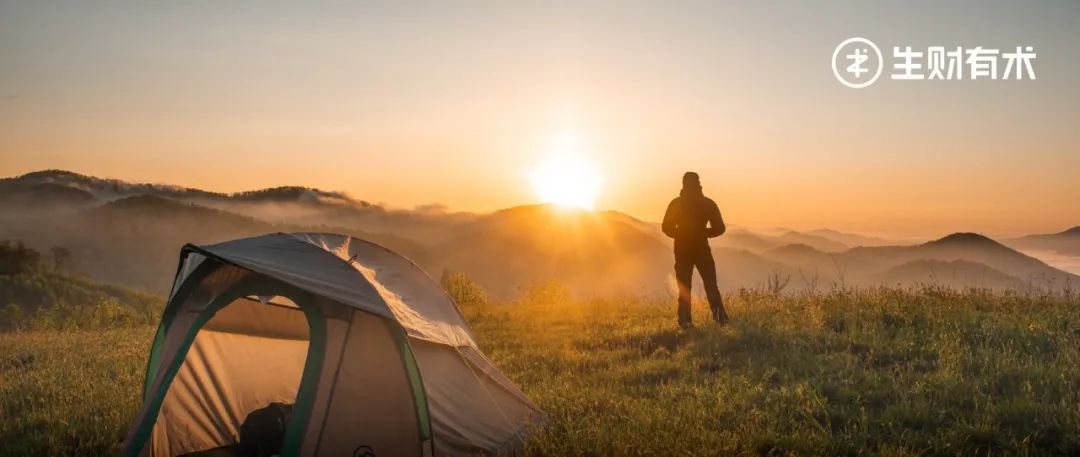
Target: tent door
column 242, row 354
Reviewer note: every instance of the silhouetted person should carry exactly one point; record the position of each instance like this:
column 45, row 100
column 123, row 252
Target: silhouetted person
column 691, row 219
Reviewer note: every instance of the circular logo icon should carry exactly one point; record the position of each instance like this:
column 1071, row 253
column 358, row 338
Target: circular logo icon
column 857, row 62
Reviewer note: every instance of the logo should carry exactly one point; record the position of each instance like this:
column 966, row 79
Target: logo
column 363, row 451
column 857, row 62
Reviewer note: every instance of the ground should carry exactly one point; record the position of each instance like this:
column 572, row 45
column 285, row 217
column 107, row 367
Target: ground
column 881, row 372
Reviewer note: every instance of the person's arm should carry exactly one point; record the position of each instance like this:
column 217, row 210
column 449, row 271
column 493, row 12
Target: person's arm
column 716, row 222
column 668, row 226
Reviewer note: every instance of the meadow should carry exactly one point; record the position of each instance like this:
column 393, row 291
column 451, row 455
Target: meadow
column 926, row 371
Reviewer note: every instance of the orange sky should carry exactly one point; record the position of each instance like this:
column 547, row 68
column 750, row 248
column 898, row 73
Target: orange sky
column 455, row 106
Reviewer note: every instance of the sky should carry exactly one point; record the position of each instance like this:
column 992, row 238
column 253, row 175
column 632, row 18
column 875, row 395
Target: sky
column 454, row 103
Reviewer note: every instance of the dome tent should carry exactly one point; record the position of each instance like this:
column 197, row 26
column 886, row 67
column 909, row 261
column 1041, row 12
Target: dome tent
column 374, row 356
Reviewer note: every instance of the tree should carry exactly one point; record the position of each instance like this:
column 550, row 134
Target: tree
column 16, row 258
column 60, row 256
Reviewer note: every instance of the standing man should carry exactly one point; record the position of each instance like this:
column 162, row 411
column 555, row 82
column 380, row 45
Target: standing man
column 691, row 219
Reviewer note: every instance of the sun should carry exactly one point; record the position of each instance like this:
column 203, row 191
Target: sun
column 568, row 180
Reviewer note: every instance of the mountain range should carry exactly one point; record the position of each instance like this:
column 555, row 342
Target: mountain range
column 130, row 233
column 1066, row 242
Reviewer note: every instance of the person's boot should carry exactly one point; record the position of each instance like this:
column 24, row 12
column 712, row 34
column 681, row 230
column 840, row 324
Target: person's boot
column 686, row 321
column 716, row 305
column 719, row 315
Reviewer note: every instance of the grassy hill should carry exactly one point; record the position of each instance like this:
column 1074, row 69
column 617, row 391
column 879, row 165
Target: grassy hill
column 33, row 294
column 848, row 372
column 39, row 289
column 882, row 371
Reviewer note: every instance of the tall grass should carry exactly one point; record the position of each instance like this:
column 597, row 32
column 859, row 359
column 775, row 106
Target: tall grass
column 883, row 371
column 880, row 371
column 69, row 393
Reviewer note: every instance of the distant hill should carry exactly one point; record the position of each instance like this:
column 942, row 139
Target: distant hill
column 982, row 249
column 593, row 253
column 106, row 189
column 652, row 228
column 800, row 255
column 135, row 240
column 297, row 194
column 1066, row 242
column 850, row 239
column 866, row 264
column 519, row 246
column 33, row 291
column 817, row 242
column 130, row 234
column 954, row 273
column 743, row 239
column 739, row 268
column 35, row 197
column 761, row 242
column 303, row 206
column 109, row 189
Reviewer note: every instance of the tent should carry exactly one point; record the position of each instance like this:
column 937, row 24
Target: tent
column 373, row 355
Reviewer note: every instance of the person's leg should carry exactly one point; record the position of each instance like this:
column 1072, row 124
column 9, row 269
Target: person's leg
column 707, row 269
column 684, row 275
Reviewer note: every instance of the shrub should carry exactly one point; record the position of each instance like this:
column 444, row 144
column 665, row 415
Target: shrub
column 464, row 291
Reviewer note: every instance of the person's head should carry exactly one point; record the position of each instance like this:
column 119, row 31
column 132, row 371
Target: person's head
column 691, row 184
column 691, row 179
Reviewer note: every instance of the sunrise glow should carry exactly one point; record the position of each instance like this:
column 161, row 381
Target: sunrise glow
column 568, row 180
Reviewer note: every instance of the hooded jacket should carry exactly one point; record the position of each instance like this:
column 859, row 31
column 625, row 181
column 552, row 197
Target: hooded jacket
column 691, row 219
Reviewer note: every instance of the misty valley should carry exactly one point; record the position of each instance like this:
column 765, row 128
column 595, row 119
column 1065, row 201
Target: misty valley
column 127, row 234
column 839, row 343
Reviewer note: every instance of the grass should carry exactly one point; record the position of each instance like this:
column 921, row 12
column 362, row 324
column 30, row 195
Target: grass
column 887, row 372
column 69, row 393
column 882, row 372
